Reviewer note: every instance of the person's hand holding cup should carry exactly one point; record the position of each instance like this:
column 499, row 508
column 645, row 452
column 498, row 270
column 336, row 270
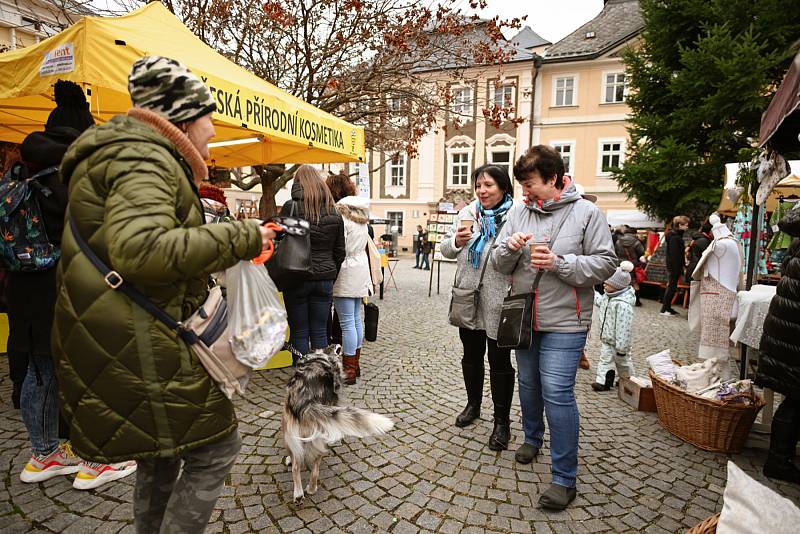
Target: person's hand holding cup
column 464, row 232
column 542, row 258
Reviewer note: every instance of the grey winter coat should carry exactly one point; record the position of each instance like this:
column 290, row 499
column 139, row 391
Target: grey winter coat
column 585, row 253
column 495, row 284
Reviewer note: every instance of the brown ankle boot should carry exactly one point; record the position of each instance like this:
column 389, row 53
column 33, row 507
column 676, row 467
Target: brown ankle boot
column 349, row 363
column 358, row 362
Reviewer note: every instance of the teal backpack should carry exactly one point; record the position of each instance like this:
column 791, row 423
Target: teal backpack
column 24, row 245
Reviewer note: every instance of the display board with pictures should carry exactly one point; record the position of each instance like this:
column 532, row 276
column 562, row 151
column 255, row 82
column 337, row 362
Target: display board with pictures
column 439, row 224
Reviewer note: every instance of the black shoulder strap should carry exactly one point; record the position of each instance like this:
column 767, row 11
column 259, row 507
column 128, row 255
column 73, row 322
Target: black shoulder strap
column 114, row 281
column 33, row 181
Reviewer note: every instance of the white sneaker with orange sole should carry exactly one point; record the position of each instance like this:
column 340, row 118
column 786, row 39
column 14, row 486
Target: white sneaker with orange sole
column 61, row 461
column 93, row 475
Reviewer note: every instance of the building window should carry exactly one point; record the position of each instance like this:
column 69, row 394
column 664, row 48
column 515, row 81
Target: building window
column 459, row 168
column 565, row 91
column 395, row 103
column 612, row 155
column 501, row 159
column 504, row 96
column 397, row 171
column 615, row 88
column 396, row 218
column 462, row 101
column 567, row 151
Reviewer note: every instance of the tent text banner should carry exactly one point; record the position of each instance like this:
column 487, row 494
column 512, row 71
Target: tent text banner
column 255, row 122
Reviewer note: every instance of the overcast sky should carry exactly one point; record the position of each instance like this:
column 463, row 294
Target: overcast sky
column 552, row 19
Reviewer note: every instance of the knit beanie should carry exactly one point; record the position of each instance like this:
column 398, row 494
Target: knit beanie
column 621, row 277
column 168, row 88
column 46, row 149
column 72, row 109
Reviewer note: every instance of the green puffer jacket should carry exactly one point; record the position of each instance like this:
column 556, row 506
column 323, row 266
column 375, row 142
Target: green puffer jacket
column 129, row 387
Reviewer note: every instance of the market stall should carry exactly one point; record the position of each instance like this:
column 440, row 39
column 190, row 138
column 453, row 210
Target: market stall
column 255, row 121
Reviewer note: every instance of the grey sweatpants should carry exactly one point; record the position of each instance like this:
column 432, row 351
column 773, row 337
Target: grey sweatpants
column 167, row 500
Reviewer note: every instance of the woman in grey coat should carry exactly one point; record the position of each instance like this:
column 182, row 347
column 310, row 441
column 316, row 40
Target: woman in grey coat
column 579, row 256
column 471, row 243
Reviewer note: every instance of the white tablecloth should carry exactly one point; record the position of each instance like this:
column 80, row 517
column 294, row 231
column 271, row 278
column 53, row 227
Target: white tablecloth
column 753, row 308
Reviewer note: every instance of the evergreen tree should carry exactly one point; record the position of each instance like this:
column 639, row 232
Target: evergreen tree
column 700, row 80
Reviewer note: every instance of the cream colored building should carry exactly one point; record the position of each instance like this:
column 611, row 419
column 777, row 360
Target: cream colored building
column 571, row 95
column 579, row 103
column 405, row 190
column 26, row 22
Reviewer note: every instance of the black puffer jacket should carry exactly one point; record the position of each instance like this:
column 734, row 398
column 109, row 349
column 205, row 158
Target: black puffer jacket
column 779, row 364
column 327, row 238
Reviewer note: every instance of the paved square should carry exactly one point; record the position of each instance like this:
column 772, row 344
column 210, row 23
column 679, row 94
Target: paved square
column 426, row 475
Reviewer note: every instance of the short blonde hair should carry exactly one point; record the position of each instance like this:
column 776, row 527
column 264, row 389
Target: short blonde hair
column 680, row 219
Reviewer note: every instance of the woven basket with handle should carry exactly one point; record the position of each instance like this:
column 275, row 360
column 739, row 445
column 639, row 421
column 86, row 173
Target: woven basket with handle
column 712, row 425
column 707, row 526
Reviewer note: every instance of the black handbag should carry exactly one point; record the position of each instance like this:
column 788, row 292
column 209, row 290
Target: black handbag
column 371, row 313
column 291, row 263
column 517, row 314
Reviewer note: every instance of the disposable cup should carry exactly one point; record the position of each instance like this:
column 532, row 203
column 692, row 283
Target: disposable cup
column 467, row 222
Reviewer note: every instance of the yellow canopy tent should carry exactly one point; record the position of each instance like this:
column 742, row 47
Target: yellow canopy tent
column 255, row 121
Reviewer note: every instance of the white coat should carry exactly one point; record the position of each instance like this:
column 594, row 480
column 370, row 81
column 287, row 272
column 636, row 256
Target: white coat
column 354, row 278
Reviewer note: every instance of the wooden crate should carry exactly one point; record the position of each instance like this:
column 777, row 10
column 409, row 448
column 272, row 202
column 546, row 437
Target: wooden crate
column 641, row 399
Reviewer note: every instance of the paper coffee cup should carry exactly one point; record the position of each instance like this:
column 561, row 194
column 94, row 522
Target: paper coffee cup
column 466, row 223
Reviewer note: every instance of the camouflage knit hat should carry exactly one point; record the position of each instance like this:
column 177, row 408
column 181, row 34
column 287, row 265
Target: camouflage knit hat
column 165, row 86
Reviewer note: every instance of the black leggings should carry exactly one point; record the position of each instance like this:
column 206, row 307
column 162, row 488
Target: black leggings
column 475, row 343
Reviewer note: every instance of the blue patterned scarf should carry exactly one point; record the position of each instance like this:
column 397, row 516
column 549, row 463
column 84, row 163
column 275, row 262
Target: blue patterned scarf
column 488, row 222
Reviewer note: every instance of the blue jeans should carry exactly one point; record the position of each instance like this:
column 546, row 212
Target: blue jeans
column 308, row 307
column 425, row 264
column 349, row 311
column 547, row 386
column 39, row 404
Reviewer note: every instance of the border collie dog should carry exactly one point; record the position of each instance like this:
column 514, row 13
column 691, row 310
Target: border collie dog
column 313, row 420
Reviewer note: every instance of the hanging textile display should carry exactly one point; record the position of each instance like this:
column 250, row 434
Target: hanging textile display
column 742, row 232
column 780, row 240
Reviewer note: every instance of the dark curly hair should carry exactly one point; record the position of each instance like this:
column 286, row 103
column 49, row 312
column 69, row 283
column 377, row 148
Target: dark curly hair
column 341, row 186
column 542, row 159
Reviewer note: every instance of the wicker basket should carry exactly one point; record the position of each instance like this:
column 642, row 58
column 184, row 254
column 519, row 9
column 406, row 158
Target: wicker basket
column 712, row 425
column 707, row 526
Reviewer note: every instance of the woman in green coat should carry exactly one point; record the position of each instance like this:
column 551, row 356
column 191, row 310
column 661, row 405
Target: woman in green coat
column 130, row 388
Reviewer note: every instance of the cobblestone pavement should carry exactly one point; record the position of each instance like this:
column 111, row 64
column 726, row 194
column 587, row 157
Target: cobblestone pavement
column 426, row 475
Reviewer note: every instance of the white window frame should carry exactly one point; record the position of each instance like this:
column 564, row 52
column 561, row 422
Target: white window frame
column 605, row 85
column 458, row 105
column 610, row 140
column 500, row 149
column 394, row 103
column 571, row 143
column 402, row 219
column 575, row 83
column 400, row 167
column 450, row 176
column 501, row 90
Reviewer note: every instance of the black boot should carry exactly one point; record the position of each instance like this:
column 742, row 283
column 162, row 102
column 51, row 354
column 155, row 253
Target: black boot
column 782, row 443
column 502, row 385
column 638, row 300
column 608, row 383
column 17, row 369
column 473, row 380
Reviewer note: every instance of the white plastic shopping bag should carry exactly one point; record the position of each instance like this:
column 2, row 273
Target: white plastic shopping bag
column 257, row 324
